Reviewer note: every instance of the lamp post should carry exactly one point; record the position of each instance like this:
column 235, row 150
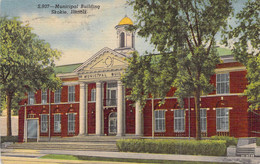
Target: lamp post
column 25, row 122
column 49, row 115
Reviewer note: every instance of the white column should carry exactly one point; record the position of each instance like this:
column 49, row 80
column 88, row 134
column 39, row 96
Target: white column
column 82, row 109
column 99, row 107
column 86, row 109
column 138, row 119
column 120, row 112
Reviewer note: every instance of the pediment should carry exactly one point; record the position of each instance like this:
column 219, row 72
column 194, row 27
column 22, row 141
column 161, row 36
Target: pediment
column 105, row 59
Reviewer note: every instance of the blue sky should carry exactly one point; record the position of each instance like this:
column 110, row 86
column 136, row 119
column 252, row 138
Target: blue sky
column 77, row 36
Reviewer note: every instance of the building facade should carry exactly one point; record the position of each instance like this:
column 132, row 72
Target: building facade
column 92, row 101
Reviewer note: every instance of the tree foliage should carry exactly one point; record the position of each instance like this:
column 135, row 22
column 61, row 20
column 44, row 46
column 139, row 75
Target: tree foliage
column 149, row 75
column 246, row 48
column 26, row 62
column 186, row 29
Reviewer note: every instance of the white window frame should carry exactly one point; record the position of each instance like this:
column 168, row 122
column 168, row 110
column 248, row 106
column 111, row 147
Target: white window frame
column 57, row 96
column 71, row 93
column 203, row 119
column 71, row 129
column 31, row 98
column 179, row 120
column 57, row 123
column 222, row 83
column 44, row 96
column 44, row 123
column 109, row 100
column 159, row 116
column 222, row 119
column 93, row 95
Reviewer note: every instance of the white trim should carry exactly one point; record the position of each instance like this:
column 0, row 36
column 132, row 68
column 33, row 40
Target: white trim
column 98, row 54
column 67, row 75
column 69, row 83
column 230, row 69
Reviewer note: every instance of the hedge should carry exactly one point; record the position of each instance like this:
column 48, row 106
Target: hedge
column 9, row 139
column 258, row 141
column 230, row 141
column 189, row 147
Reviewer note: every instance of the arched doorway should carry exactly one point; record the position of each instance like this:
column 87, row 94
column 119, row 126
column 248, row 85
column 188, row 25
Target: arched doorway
column 112, row 126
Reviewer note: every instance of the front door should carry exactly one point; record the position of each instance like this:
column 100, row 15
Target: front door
column 112, row 123
column 32, row 128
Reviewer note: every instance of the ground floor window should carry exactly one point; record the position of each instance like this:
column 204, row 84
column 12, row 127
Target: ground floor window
column 179, row 121
column 71, row 122
column 44, row 123
column 159, row 120
column 57, row 123
column 203, row 120
column 222, row 119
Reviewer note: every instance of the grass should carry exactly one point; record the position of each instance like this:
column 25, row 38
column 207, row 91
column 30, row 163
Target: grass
column 89, row 158
column 9, row 139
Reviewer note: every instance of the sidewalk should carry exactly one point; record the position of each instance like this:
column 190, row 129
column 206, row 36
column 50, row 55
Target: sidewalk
column 38, row 153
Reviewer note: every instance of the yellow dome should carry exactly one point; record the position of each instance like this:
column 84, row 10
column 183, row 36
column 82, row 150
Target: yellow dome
column 126, row 21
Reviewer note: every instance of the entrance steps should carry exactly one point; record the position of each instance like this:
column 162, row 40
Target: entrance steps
column 80, row 143
column 246, row 147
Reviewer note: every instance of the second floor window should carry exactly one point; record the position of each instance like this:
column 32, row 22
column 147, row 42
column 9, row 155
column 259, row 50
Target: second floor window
column 44, row 97
column 93, row 95
column 71, row 93
column 111, row 94
column 222, row 83
column 31, row 98
column 57, row 95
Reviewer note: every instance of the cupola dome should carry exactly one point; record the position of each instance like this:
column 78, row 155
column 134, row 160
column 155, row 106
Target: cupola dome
column 126, row 21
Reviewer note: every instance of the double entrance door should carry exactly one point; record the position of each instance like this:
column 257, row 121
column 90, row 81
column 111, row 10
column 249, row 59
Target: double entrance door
column 112, row 125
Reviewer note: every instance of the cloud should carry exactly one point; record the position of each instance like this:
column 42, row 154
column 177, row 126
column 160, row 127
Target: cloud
column 72, row 56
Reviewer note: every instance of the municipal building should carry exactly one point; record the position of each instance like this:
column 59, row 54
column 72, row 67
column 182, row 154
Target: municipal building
column 92, row 101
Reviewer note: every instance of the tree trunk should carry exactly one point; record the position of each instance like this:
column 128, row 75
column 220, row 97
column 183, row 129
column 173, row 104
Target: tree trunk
column 197, row 109
column 9, row 116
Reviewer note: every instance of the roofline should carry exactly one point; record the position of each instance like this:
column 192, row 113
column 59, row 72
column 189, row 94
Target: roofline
column 96, row 55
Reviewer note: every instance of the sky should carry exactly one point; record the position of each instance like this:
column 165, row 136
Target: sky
column 78, row 36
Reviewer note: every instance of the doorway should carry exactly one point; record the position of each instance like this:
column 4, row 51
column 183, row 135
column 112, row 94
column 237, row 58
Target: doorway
column 32, row 128
column 112, row 130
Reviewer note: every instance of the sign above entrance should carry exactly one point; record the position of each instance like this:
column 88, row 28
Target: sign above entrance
column 100, row 76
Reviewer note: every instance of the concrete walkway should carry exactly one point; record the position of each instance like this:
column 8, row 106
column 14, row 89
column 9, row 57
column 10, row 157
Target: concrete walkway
column 39, row 153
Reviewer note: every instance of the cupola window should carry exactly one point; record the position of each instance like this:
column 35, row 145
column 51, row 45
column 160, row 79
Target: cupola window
column 122, row 40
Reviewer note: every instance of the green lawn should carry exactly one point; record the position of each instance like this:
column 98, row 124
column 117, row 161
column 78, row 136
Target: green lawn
column 89, row 158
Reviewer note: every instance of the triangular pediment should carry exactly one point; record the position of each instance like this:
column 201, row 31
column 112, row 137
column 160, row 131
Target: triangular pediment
column 105, row 59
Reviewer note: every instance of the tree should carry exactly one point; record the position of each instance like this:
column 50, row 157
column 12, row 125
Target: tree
column 246, row 48
column 26, row 62
column 185, row 29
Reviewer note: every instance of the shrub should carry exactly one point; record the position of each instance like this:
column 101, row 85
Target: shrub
column 9, row 139
column 229, row 140
column 189, row 147
column 258, row 141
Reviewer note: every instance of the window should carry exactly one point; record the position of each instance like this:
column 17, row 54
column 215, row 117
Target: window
column 71, row 93
column 159, row 120
column 44, row 123
column 57, row 123
column 31, row 98
column 179, row 120
column 122, row 40
column 222, row 83
column 222, row 119
column 111, row 94
column 93, row 95
column 57, row 95
column 44, row 97
column 71, row 122
column 203, row 120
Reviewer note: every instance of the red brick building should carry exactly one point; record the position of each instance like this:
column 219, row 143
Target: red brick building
column 92, row 102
